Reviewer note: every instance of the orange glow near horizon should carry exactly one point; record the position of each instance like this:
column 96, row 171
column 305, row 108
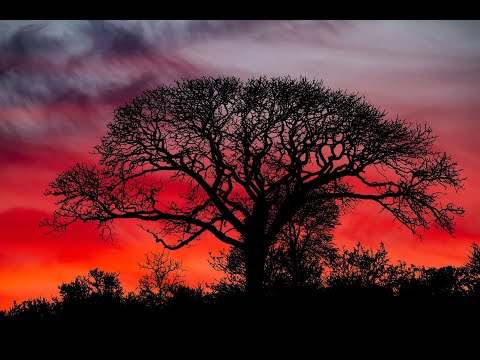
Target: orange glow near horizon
column 60, row 83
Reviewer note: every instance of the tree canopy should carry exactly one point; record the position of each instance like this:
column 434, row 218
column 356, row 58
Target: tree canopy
column 250, row 155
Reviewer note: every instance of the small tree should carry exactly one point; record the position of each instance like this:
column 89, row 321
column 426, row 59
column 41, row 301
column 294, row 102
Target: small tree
column 163, row 278
column 251, row 154
column 92, row 293
column 473, row 269
column 75, row 292
column 104, row 284
column 473, row 264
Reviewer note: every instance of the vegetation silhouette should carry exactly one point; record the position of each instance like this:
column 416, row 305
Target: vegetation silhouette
column 163, row 279
column 354, row 283
column 252, row 157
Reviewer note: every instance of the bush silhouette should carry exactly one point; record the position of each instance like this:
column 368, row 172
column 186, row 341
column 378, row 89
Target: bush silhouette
column 97, row 294
column 33, row 309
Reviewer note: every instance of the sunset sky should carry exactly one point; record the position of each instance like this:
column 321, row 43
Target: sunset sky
column 60, row 82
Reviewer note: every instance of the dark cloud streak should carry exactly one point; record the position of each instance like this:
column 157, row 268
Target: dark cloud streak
column 112, row 40
column 40, row 65
column 92, row 64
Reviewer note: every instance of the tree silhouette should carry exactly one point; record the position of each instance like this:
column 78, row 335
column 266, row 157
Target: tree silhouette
column 98, row 293
column 360, row 267
column 162, row 279
column 473, row 264
column 249, row 155
column 473, row 269
column 75, row 292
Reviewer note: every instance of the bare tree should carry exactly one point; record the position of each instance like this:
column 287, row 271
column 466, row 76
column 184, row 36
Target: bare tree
column 250, row 155
column 163, row 277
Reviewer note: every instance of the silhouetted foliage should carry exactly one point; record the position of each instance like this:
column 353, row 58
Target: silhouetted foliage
column 98, row 284
column 473, row 269
column 99, row 293
column 32, row 309
column 232, row 266
column 185, row 297
column 473, row 264
column 355, row 282
column 362, row 268
column 447, row 281
column 162, row 280
column 253, row 154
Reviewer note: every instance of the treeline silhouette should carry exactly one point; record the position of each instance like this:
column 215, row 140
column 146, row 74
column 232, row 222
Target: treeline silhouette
column 352, row 281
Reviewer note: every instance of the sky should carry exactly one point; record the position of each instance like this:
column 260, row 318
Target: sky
column 60, row 82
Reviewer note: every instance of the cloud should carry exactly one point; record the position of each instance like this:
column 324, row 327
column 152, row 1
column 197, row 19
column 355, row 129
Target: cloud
column 87, row 61
column 112, row 40
column 40, row 64
column 62, row 80
column 29, row 41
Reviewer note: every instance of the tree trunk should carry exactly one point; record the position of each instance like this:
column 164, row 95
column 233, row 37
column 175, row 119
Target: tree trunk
column 255, row 257
column 256, row 251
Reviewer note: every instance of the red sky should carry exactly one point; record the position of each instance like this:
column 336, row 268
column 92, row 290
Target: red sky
column 61, row 81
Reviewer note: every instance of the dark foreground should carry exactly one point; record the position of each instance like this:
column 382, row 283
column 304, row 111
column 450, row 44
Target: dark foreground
column 297, row 326
column 346, row 311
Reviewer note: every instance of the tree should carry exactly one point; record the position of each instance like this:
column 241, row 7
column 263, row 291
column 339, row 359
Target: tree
column 97, row 291
column 75, row 292
column 162, row 279
column 473, row 264
column 251, row 154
